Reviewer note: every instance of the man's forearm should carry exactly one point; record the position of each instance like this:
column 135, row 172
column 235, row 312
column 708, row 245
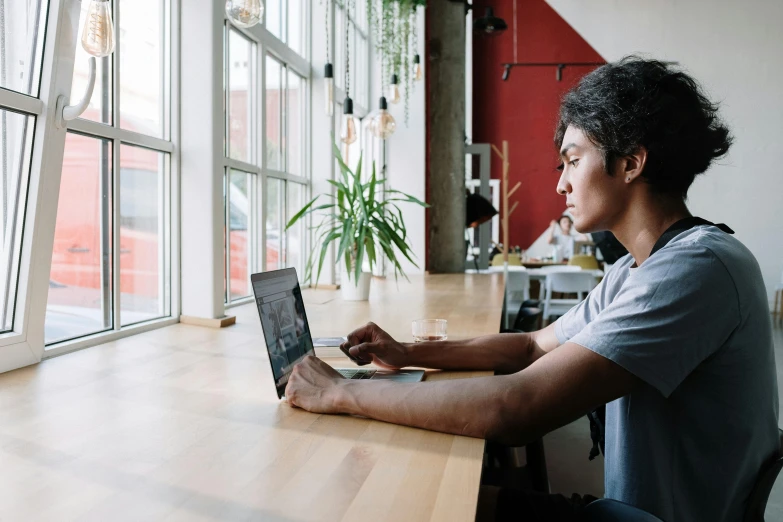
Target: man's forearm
column 470, row 407
column 505, row 353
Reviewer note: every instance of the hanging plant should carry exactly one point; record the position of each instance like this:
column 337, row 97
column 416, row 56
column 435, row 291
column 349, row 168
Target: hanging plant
column 393, row 23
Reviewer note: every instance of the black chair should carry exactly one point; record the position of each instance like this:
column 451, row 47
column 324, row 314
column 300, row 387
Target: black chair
column 502, row 467
column 607, row 510
column 527, row 319
column 757, row 502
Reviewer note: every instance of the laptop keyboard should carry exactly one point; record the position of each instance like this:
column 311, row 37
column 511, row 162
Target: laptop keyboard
column 350, row 373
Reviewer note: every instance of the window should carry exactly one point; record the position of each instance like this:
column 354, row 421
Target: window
column 22, row 27
column 111, row 263
column 21, row 45
column 285, row 19
column 266, row 178
column 16, row 131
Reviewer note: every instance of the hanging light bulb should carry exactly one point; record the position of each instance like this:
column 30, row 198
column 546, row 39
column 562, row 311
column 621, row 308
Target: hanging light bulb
column 394, row 90
column 98, row 32
column 244, row 13
column 382, row 124
column 417, row 73
column 329, row 77
column 348, row 133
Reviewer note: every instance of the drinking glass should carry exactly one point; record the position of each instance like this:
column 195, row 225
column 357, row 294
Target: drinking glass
column 429, row 330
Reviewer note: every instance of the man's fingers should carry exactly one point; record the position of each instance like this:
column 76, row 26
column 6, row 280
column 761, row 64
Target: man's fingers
column 362, row 353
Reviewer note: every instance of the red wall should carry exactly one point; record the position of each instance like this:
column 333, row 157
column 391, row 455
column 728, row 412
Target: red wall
column 523, row 109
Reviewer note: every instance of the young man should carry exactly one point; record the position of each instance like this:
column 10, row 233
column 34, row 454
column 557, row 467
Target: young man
column 677, row 342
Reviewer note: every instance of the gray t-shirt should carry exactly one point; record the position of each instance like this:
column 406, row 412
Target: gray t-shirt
column 693, row 323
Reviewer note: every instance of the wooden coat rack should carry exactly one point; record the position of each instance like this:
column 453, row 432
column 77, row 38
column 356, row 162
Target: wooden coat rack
column 505, row 196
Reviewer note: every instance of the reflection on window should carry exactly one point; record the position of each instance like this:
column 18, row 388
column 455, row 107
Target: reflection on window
column 22, row 25
column 142, row 61
column 295, row 123
column 274, row 17
column 80, row 278
column 239, row 214
column 275, row 193
column 16, row 133
column 143, row 277
column 295, row 25
column 274, row 114
column 295, row 242
column 240, row 106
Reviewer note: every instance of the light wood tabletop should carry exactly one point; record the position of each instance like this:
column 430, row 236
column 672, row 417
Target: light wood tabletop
column 183, row 423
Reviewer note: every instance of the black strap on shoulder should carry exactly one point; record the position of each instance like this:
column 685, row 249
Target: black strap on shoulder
column 683, row 225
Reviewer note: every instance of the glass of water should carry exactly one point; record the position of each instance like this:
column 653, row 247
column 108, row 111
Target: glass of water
column 429, row 330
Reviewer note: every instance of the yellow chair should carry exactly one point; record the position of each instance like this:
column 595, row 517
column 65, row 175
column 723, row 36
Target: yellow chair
column 513, row 259
column 583, row 261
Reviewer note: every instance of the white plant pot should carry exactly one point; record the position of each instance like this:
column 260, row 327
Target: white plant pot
column 355, row 292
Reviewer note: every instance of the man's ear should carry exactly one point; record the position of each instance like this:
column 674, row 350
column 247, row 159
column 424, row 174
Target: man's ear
column 631, row 166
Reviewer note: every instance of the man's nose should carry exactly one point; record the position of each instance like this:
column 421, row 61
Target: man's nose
column 563, row 185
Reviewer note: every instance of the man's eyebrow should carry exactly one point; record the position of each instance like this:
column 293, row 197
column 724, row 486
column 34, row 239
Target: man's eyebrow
column 568, row 147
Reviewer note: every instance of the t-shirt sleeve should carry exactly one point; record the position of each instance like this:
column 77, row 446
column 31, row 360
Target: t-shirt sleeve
column 672, row 313
column 575, row 320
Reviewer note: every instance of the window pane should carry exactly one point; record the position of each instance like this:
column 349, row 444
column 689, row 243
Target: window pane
column 295, row 122
column 22, row 25
column 142, row 61
column 274, row 16
column 16, row 133
column 100, row 108
column 295, row 241
column 274, row 116
column 339, row 47
column 295, row 19
column 80, row 278
column 143, row 266
column 275, row 191
column 240, row 106
column 239, row 224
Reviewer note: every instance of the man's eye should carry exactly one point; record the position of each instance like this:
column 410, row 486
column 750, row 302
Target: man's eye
column 574, row 162
column 560, row 167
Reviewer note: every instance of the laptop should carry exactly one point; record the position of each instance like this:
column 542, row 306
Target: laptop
column 287, row 333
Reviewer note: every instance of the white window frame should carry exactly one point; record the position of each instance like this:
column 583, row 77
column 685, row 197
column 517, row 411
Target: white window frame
column 267, row 44
column 25, row 344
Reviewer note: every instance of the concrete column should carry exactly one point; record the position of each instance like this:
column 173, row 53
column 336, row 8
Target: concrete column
column 202, row 124
column 446, row 119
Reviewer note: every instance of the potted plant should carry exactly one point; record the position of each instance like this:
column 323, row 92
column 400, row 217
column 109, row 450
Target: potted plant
column 362, row 226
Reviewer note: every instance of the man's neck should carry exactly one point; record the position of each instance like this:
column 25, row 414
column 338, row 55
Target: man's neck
column 645, row 224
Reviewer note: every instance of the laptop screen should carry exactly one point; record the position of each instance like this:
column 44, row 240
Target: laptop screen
column 283, row 319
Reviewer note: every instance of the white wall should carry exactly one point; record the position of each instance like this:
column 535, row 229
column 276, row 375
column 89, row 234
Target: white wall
column 406, row 160
column 734, row 50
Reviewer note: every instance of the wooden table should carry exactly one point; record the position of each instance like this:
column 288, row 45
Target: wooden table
column 183, row 423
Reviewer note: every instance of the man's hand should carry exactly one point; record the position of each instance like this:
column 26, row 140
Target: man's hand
column 370, row 344
column 313, row 386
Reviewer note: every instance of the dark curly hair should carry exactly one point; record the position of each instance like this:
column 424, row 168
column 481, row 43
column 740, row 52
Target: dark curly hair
column 639, row 102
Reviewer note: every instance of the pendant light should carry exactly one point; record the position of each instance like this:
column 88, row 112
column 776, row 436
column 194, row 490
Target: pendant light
column 244, row 13
column 382, row 124
column 329, row 78
column 490, row 24
column 328, row 70
column 394, row 89
column 348, row 132
column 98, row 32
column 417, row 72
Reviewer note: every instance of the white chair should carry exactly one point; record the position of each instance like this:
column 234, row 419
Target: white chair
column 517, row 292
column 777, row 311
column 579, row 283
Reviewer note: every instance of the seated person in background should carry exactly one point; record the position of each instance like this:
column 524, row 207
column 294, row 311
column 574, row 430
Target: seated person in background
column 677, row 341
column 563, row 235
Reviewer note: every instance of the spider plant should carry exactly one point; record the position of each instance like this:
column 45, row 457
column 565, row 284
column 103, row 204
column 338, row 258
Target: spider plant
column 363, row 225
